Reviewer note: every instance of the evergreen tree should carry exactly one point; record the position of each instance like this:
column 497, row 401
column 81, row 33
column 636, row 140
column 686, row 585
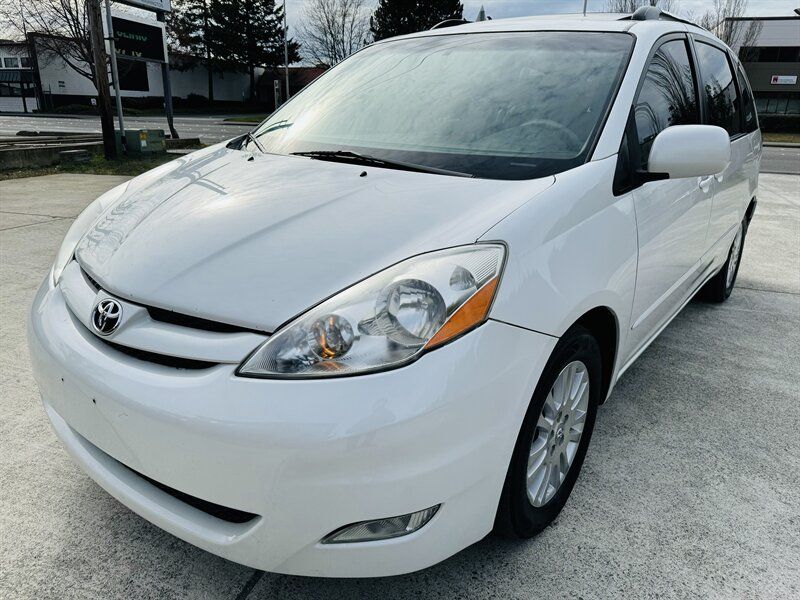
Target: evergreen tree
column 250, row 35
column 191, row 27
column 397, row 17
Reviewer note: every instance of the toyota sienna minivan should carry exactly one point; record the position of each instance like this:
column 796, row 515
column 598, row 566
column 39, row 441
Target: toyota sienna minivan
column 379, row 326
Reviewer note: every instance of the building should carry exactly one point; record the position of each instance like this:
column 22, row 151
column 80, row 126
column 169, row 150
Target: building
column 33, row 77
column 17, row 84
column 271, row 84
column 772, row 63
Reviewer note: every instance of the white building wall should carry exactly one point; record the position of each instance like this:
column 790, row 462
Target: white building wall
column 229, row 86
column 779, row 33
column 13, row 50
column 774, row 32
column 15, row 103
column 58, row 78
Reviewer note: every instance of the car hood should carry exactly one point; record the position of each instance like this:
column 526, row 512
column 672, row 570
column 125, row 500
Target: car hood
column 254, row 240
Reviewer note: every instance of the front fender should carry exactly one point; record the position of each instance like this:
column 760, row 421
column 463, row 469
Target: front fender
column 571, row 249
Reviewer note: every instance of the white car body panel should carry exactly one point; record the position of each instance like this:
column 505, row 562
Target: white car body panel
column 253, row 240
column 279, row 233
column 735, row 186
column 565, row 229
column 309, row 456
column 672, row 219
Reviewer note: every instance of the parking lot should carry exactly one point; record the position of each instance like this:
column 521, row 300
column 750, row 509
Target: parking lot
column 691, row 487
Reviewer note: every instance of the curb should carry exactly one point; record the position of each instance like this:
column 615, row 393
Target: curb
column 43, row 115
column 781, row 144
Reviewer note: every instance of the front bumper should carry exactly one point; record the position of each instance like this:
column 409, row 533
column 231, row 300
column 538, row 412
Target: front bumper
column 307, row 456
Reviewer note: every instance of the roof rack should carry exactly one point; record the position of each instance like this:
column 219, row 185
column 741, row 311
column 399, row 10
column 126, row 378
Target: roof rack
column 450, row 23
column 653, row 13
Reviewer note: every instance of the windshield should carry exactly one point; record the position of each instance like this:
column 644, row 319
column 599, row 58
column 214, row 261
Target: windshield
column 494, row 105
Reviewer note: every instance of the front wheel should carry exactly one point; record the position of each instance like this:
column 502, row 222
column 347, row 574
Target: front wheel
column 554, row 437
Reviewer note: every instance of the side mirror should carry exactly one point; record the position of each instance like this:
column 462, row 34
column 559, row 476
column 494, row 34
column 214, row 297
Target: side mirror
column 690, row 151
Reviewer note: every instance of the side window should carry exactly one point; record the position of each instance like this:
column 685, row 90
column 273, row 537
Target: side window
column 720, row 90
column 667, row 96
column 749, row 120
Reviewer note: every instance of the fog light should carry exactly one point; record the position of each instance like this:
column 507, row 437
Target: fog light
column 381, row 529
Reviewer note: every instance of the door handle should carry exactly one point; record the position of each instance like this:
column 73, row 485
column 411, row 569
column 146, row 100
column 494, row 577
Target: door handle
column 704, row 183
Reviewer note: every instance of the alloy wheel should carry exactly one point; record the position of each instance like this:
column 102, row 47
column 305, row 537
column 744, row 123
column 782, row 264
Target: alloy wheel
column 558, row 433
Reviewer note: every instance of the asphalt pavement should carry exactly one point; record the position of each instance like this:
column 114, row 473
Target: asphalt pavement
column 691, row 487
column 781, row 159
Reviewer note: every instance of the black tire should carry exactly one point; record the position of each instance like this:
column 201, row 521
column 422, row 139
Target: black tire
column 718, row 289
column 516, row 516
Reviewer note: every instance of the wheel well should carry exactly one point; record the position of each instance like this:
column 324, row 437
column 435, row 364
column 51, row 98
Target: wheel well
column 751, row 209
column 602, row 323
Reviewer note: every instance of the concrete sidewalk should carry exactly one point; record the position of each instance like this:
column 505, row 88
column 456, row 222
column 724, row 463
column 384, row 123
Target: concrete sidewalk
column 691, row 487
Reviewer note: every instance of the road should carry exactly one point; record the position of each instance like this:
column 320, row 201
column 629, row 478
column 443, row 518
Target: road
column 212, row 129
column 781, row 159
column 690, row 487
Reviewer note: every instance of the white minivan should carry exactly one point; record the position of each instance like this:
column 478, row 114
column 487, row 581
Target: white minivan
column 379, row 326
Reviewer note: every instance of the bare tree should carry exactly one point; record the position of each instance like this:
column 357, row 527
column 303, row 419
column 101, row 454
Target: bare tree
column 735, row 33
column 629, row 6
column 63, row 26
column 331, row 30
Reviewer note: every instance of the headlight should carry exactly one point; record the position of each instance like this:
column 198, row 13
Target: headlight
column 81, row 225
column 388, row 319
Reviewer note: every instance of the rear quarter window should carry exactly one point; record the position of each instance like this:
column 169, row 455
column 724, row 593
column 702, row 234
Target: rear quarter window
column 749, row 118
column 723, row 103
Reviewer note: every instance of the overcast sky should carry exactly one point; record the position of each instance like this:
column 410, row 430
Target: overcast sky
column 499, row 9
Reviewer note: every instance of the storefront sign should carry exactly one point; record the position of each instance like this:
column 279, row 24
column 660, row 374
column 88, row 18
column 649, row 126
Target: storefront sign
column 139, row 40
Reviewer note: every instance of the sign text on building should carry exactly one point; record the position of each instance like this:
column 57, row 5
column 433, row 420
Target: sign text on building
column 134, row 39
column 783, row 80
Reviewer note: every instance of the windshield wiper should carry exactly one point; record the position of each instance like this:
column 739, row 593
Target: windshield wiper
column 249, row 135
column 357, row 158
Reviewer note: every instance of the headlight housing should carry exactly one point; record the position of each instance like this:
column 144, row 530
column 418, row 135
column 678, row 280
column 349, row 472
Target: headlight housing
column 81, row 225
column 388, row 319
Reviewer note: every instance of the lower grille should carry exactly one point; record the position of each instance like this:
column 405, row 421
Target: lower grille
column 224, row 513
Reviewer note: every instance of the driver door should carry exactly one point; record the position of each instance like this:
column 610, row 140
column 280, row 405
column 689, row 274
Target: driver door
column 672, row 215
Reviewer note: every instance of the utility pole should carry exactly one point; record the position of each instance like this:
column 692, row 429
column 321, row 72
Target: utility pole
column 115, row 78
column 285, row 50
column 167, row 86
column 101, row 77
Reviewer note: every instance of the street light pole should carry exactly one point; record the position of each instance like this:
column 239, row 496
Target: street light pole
column 115, row 77
column 167, row 86
column 285, row 50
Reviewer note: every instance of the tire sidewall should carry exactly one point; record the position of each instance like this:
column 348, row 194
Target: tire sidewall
column 729, row 289
column 526, row 520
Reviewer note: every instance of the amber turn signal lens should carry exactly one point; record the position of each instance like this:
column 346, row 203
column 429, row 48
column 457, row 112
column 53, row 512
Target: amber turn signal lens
column 470, row 314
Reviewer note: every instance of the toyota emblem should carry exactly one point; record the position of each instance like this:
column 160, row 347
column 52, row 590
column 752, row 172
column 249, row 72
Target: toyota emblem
column 106, row 316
